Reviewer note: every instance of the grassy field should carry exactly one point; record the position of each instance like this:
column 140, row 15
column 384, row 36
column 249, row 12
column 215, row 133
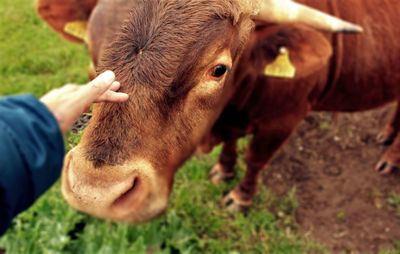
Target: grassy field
column 34, row 59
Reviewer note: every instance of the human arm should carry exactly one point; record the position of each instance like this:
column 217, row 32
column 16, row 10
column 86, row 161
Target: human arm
column 31, row 142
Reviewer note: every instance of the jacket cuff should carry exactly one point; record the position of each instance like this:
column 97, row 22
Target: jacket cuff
column 39, row 140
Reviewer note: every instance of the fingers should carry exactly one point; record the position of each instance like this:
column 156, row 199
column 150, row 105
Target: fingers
column 69, row 88
column 115, row 86
column 111, row 96
column 103, row 89
column 69, row 101
column 97, row 87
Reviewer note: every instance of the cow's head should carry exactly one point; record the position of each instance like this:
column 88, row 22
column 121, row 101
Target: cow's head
column 175, row 58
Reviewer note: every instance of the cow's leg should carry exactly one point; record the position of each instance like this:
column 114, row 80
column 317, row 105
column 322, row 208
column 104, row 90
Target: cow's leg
column 261, row 149
column 224, row 169
column 391, row 158
column 389, row 133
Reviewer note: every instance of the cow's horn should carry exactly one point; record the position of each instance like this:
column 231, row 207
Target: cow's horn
column 283, row 11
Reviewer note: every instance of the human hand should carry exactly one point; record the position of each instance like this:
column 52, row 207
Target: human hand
column 70, row 101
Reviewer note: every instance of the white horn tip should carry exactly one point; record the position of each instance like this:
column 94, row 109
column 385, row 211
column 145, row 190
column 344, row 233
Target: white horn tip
column 352, row 29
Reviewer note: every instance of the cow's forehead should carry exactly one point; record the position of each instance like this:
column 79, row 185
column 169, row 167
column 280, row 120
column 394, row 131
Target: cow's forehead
column 195, row 8
column 155, row 50
column 160, row 35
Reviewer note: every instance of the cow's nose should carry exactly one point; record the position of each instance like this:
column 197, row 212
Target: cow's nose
column 117, row 192
column 100, row 186
column 127, row 199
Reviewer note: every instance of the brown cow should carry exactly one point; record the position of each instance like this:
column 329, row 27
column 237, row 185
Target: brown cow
column 58, row 13
column 194, row 66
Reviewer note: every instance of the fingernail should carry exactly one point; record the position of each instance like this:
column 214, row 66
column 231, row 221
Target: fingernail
column 108, row 76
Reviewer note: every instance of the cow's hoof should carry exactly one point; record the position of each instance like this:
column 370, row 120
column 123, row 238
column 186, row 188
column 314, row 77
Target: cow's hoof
column 234, row 203
column 81, row 123
column 387, row 136
column 385, row 167
column 218, row 174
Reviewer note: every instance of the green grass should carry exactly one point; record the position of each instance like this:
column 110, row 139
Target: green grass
column 34, row 59
column 394, row 201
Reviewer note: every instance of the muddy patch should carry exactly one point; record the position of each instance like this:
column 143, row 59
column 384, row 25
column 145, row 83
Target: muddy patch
column 344, row 203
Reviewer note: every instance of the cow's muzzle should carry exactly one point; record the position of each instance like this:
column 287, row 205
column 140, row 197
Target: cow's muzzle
column 131, row 192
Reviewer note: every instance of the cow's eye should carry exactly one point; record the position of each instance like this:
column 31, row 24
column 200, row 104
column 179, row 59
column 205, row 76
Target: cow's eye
column 219, row 71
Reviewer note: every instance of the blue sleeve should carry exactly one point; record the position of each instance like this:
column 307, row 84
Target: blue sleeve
column 31, row 154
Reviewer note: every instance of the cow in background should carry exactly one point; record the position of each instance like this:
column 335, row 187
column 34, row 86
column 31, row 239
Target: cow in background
column 197, row 69
column 59, row 13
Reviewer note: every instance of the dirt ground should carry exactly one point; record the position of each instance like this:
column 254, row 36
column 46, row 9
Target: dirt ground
column 342, row 200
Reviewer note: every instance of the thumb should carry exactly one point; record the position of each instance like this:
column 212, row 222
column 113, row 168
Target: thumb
column 97, row 87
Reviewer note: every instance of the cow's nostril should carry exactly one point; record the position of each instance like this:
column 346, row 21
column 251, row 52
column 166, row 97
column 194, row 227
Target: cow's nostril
column 129, row 197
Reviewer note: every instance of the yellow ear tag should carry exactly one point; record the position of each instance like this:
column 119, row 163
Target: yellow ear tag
column 77, row 29
column 281, row 67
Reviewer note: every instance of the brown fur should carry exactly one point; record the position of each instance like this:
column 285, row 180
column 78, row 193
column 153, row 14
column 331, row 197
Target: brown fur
column 363, row 73
column 156, row 73
column 160, row 51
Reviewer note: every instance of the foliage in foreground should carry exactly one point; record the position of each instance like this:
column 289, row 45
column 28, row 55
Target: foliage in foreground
column 194, row 223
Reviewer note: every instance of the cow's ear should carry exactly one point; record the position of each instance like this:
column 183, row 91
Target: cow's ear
column 67, row 17
column 292, row 49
